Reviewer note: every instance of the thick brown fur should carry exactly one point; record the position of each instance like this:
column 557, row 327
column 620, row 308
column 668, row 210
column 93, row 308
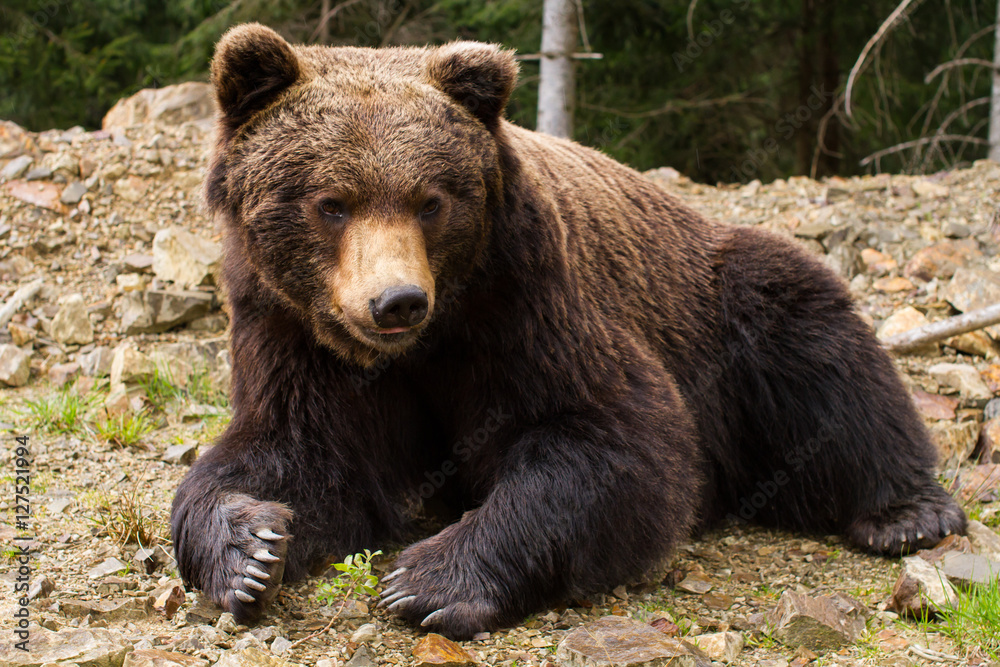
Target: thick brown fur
column 600, row 370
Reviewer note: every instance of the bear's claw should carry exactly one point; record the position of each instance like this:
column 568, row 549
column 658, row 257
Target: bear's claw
column 244, row 597
column 265, row 556
column 268, row 534
column 395, row 573
column 920, row 522
column 431, row 617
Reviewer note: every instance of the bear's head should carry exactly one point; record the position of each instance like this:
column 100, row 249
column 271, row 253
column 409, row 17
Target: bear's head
column 356, row 184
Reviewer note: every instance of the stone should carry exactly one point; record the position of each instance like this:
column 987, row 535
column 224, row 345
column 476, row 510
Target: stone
column 40, row 588
column 203, row 612
column 156, row 311
column 169, row 105
column 988, row 446
column 361, row 658
column 169, row 601
column 433, row 650
column 37, row 193
column 972, row 288
column 15, row 140
column 721, row 646
column 941, row 260
column 903, row 320
column 85, row 647
column 15, row 366
column 280, row 645
column 130, row 282
column 128, row 609
column 150, row 559
column 110, row 565
column 212, row 323
column 129, row 365
column 131, row 188
column 984, row 540
column 251, row 657
column 16, row 167
column 878, row 263
column 137, row 263
column 615, row 641
column 60, row 374
column 184, row 258
column 73, row 193
column 696, row 583
column 955, row 442
column 20, row 334
column 965, row 570
column 976, row 343
column 365, row 633
column 151, row 657
column 97, row 362
column 963, row 377
column 980, row 484
column 893, row 285
column 816, row 623
column 38, row 173
column 921, row 590
column 934, row 406
column 180, row 454
column 226, row 623
column 71, row 325
column 929, row 189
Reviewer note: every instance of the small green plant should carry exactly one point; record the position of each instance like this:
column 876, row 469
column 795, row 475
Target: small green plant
column 62, row 412
column 125, row 519
column 124, row 430
column 201, row 390
column 160, row 388
column 973, row 622
column 355, row 577
column 10, row 554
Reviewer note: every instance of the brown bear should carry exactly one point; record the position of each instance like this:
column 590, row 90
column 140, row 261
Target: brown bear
column 430, row 302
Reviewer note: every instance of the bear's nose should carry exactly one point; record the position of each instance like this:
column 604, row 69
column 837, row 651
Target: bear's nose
column 404, row 306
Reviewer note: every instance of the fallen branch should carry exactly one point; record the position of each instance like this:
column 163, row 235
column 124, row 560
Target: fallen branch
column 15, row 302
column 920, row 142
column 960, row 62
column 936, row 331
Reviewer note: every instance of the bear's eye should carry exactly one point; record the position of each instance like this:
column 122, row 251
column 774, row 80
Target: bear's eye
column 430, row 208
column 332, row 208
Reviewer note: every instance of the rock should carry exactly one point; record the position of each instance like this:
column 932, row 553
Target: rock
column 934, row 406
column 722, row 646
column 20, row 334
column 37, row 193
column 85, row 647
column 975, row 343
column 365, row 633
column 816, row 623
column 156, row 311
column 893, row 285
column 696, row 583
column 965, row 570
column 16, row 167
column 137, row 263
column 130, row 282
column 108, row 566
column 181, row 454
column 226, row 623
column 169, row 601
column 251, row 657
column 15, row 366
column 71, row 325
column 963, row 377
column 955, row 442
column 973, row 288
column 170, row 105
column 361, row 658
column 151, row 657
column 878, row 263
column 129, row 365
column 97, row 362
column 38, row 173
column 984, row 540
column 941, row 260
column 204, row 612
column 40, row 588
column 988, row 446
column 980, row 484
column 955, row 229
column 60, row 374
column 920, row 590
column 280, row 645
column 903, row 320
column 434, row 650
column 212, row 323
column 222, row 376
column 615, row 641
column 150, row 559
column 131, row 188
column 128, row 609
column 184, row 258
column 929, row 189
column 73, row 193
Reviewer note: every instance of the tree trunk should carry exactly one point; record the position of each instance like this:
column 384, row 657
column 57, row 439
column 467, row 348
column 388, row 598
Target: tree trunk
column 556, row 89
column 994, row 137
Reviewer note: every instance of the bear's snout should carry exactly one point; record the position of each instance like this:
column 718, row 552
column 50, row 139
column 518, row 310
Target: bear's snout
column 399, row 308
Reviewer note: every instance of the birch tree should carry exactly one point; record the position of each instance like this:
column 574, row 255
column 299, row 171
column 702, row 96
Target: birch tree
column 556, row 89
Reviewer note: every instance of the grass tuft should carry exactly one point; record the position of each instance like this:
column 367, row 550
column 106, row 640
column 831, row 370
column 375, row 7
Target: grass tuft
column 124, row 430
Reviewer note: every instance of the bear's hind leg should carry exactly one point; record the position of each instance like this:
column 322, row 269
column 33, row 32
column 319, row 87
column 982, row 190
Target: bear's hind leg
column 824, row 435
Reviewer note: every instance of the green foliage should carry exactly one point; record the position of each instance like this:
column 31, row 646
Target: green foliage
column 974, row 621
column 124, row 430
column 355, row 577
column 63, row 412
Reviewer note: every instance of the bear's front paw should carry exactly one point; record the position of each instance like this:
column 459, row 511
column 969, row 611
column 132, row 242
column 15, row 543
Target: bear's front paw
column 251, row 553
column 919, row 523
column 441, row 592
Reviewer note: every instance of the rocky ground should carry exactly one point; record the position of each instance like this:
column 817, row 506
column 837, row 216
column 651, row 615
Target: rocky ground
column 113, row 358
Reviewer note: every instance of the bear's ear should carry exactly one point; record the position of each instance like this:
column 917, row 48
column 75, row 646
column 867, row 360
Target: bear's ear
column 478, row 76
column 252, row 64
